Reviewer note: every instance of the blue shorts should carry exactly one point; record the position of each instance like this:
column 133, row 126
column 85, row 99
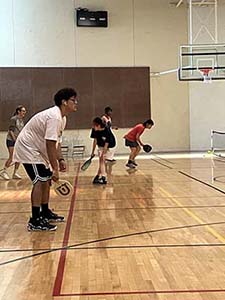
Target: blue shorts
column 10, row 143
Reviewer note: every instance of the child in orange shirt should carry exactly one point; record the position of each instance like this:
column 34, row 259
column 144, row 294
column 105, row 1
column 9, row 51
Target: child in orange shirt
column 132, row 140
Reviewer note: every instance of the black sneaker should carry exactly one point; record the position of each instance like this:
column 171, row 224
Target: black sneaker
column 134, row 163
column 113, row 161
column 96, row 179
column 50, row 216
column 40, row 224
column 102, row 180
column 130, row 165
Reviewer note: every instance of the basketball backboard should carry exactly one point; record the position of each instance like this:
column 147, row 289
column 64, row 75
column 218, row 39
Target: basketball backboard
column 202, row 62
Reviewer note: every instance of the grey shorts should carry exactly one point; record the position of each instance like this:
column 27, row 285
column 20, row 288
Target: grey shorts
column 131, row 144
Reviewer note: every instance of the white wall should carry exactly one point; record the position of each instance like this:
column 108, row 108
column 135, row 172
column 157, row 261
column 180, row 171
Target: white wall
column 207, row 111
column 140, row 32
column 207, row 101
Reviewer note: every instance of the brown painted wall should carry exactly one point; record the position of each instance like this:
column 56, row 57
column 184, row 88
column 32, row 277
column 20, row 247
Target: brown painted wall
column 125, row 89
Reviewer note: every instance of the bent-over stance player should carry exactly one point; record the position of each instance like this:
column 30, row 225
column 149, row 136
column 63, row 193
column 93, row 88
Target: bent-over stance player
column 133, row 141
column 38, row 148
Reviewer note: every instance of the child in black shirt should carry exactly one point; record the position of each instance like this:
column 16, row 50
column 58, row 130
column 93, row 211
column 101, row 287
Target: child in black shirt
column 104, row 139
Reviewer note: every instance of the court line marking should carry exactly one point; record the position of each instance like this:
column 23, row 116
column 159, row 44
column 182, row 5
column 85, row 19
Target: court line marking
column 164, row 159
column 194, row 178
column 112, row 184
column 108, row 239
column 196, row 218
column 121, row 199
column 162, row 164
column 190, row 213
column 199, row 180
column 119, row 247
column 62, row 259
column 202, row 182
column 28, row 212
column 124, row 208
column 27, row 202
column 141, row 292
column 145, row 198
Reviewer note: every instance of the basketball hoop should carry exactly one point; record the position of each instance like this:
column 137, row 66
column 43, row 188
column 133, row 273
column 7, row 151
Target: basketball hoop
column 206, row 74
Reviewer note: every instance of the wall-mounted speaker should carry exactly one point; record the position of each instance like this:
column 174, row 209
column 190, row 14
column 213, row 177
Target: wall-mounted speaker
column 87, row 18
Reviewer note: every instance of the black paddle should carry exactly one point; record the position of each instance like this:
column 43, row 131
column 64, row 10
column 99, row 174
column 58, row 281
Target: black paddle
column 147, row 148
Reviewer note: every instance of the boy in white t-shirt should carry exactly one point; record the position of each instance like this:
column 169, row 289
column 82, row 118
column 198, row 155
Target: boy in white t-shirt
column 107, row 119
column 38, row 149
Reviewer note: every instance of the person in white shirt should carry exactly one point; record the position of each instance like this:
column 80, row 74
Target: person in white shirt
column 107, row 120
column 38, row 148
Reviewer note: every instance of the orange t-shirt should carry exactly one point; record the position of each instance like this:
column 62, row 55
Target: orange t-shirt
column 132, row 134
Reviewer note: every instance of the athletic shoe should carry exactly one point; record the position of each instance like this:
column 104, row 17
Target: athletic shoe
column 16, row 176
column 111, row 160
column 40, row 224
column 130, row 165
column 50, row 216
column 134, row 163
column 102, row 180
column 5, row 175
column 96, row 180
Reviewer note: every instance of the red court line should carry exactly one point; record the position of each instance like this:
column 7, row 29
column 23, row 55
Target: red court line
column 62, row 259
column 141, row 292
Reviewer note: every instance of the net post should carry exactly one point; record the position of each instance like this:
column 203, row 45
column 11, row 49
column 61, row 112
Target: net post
column 212, row 131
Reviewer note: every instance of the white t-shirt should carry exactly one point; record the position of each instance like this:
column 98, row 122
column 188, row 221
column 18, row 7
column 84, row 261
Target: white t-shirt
column 30, row 145
column 107, row 120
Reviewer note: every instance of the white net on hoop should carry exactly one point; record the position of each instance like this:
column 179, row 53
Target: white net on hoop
column 206, row 75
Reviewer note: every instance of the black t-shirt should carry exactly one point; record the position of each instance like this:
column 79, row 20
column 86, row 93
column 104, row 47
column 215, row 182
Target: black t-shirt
column 104, row 136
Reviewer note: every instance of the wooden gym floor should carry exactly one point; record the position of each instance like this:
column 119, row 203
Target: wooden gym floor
column 157, row 233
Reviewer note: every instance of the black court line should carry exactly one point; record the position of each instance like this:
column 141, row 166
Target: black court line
column 195, row 179
column 164, row 159
column 145, row 198
column 126, row 208
column 28, row 202
column 202, row 182
column 219, row 160
column 151, row 246
column 28, row 212
column 119, row 247
column 162, row 164
column 144, row 183
column 107, row 239
column 120, row 199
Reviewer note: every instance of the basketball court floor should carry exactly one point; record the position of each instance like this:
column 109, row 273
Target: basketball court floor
column 157, row 233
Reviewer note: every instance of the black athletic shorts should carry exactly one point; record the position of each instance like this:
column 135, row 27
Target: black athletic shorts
column 38, row 172
column 10, row 143
column 131, row 144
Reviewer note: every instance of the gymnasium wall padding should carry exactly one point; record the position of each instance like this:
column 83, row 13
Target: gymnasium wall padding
column 125, row 89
